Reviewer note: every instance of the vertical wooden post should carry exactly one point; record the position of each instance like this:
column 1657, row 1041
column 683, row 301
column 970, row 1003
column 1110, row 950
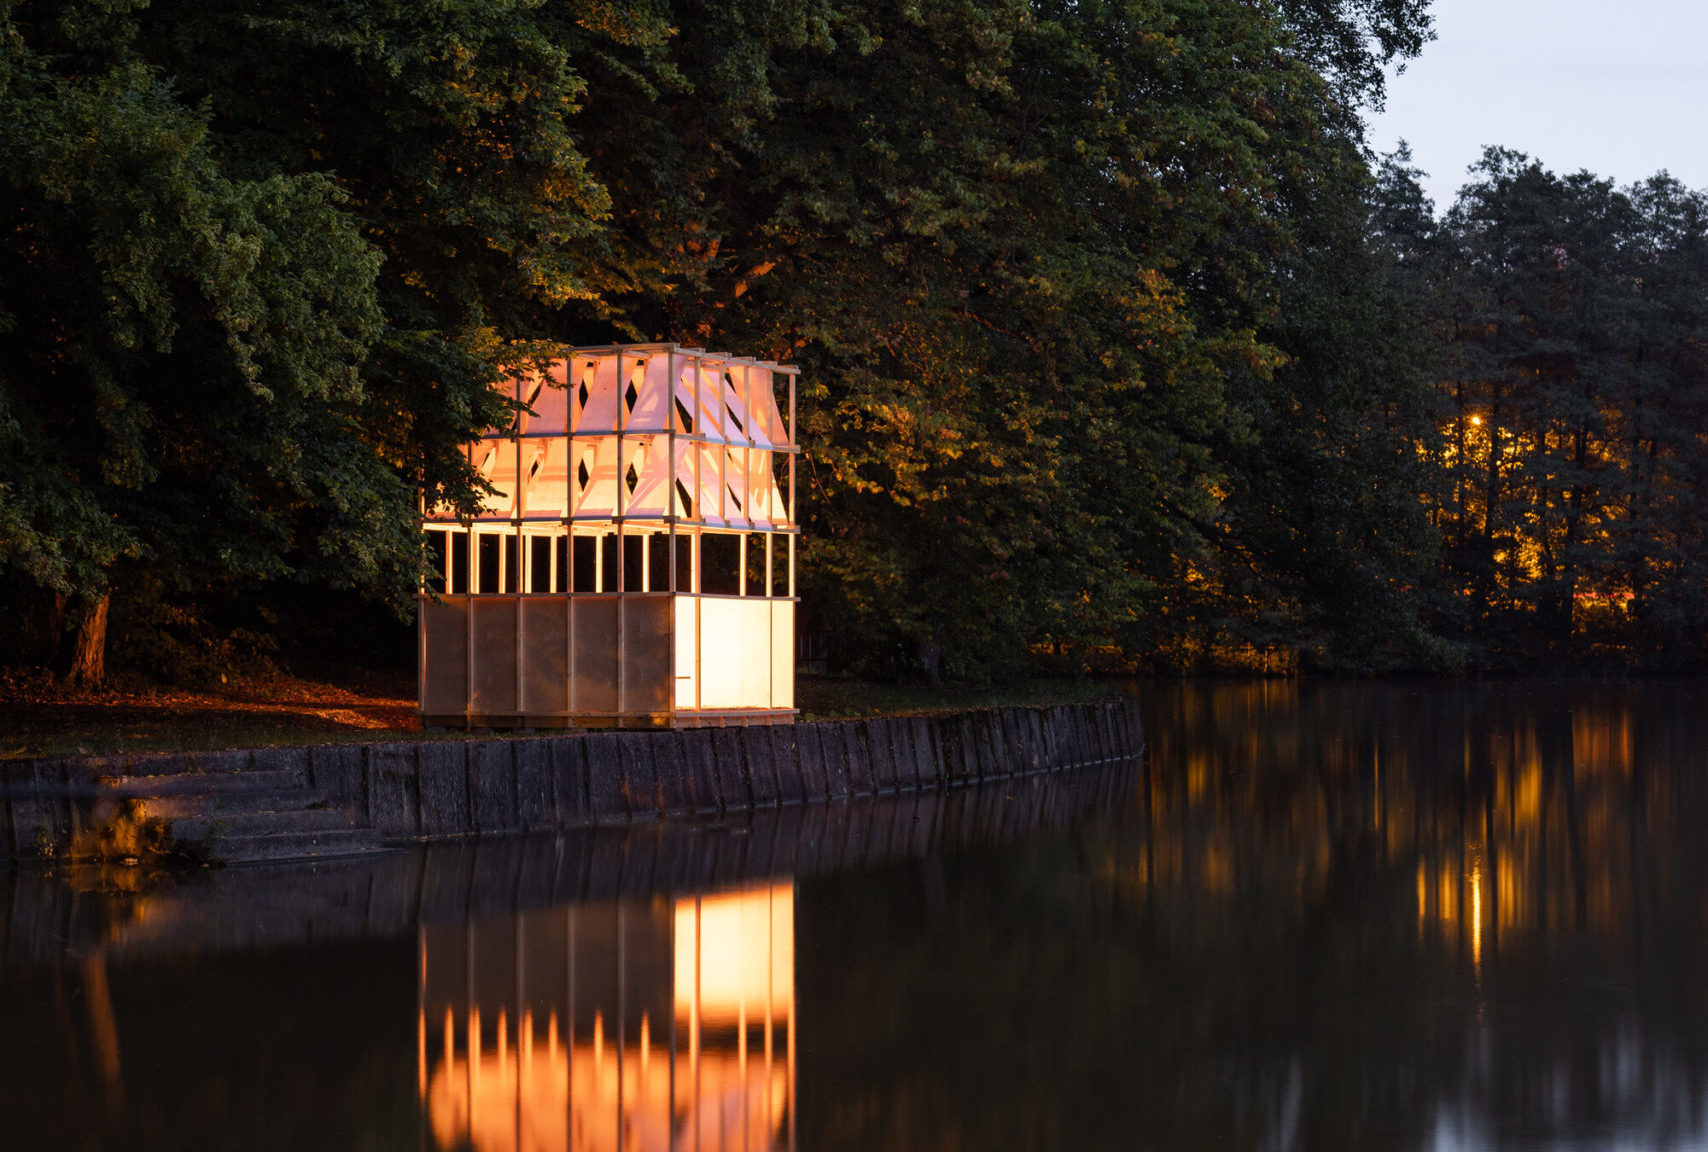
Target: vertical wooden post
column 793, row 452
column 517, row 507
column 670, row 585
column 468, row 624
column 571, row 421
column 622, row 510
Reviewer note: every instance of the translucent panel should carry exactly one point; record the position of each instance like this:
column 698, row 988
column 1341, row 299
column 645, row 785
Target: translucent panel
column 765, row 504
column 646, row 475
column 687, row 645
column 595, row 640
column 782, row 654
column 545, row 477
column 767, row 425
column 595, row 476
column 646, row 654
column 735, row 486
column 755, row 653
column 737, row 428
column 721, row 627
column 444, row 657
column 548, row 395
column 545, row 653
column 652, row 400
column 593, row 393
column 686, row 411
column 700, row 385
column 700, row 469
column 495, row 462
column 494, row 656
column 735, row 654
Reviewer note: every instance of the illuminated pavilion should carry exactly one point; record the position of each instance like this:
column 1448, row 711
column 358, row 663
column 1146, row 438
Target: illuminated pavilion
column 634, row 565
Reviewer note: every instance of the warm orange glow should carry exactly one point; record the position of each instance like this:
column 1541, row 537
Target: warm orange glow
column 536, row 1085
column 736, row 950
column 647, row 470
column 571, row 1100
column 1476, row 915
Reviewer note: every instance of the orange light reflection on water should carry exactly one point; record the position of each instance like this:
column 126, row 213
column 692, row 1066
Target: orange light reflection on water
column 693, row 1081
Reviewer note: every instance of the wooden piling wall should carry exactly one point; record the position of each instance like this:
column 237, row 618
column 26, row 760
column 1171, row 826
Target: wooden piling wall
column 438, row 789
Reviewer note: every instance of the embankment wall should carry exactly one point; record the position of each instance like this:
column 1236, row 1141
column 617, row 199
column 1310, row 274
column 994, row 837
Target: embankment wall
column 441, row 788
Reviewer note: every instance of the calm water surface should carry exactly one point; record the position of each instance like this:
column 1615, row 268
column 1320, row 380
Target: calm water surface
column 1315, row 917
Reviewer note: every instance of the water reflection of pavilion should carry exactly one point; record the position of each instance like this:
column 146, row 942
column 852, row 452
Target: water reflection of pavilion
column 637, row 1026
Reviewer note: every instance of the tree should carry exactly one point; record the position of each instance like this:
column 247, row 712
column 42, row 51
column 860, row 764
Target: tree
column 1037, row 260
column 178, row 375
column 1574, row 430
column 1028, row 253
column 1328, row 540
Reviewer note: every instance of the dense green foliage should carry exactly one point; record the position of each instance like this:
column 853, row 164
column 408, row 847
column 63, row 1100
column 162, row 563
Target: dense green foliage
column 1036, row 260
column 1116, row 351
column 180, row 346
column 1575, row 407
column 1064, row 280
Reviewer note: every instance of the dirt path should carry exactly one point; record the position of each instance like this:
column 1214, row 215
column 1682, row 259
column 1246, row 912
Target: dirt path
column 39, row 719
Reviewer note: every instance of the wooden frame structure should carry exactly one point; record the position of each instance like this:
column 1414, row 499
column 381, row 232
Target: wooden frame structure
column 635, row 563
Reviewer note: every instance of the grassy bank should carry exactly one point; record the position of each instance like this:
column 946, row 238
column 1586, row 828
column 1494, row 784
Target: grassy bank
column 39, row 719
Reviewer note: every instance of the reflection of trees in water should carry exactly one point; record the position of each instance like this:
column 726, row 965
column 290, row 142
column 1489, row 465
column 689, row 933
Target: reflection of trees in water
column 1334, row 917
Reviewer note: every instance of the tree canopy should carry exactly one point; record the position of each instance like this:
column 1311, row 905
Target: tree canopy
column 1118, row 350
column 1574, row 316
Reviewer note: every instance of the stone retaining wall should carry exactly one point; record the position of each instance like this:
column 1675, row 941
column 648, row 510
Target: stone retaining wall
column 431, row 789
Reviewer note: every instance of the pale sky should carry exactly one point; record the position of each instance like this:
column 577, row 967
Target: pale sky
column 1619, row 88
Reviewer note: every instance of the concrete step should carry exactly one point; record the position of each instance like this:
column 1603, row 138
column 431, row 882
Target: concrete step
column 204, row 783
column 334, row 843
column 224, row 825
column 187, row 804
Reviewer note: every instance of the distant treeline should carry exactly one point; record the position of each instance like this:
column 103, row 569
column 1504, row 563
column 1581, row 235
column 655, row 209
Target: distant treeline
column 1118, row 350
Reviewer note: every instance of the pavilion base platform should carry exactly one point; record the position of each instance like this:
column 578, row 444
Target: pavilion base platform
column 705, row 718
column 638, row 660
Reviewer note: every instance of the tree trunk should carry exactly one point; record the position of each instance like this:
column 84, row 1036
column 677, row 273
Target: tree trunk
column 88, row 667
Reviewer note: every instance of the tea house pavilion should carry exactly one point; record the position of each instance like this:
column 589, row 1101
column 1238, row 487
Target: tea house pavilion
column 635, row 564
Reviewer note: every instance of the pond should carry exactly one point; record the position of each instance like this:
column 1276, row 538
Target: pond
column 1315, row 916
